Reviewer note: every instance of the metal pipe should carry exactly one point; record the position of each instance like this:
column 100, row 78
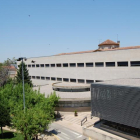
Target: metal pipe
column 23, row 86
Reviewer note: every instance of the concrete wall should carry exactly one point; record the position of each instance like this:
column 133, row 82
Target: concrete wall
column 87, row 73
column 98, row 134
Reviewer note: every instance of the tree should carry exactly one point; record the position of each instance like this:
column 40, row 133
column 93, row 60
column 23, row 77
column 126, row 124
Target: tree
column 26, row 75
column 39, row 112
column 4, row 114
column 9, row 61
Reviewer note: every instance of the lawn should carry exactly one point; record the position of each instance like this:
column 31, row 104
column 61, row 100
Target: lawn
column 8, row 135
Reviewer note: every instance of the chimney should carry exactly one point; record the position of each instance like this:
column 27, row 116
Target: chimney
column 118, row 43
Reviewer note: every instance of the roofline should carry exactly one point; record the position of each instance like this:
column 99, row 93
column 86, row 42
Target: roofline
column 94, row 51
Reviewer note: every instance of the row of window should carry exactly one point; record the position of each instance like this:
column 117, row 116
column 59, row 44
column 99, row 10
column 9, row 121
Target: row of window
column 64, row 79
column 91, row 64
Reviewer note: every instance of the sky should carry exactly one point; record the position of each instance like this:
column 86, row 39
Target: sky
column 34, row 28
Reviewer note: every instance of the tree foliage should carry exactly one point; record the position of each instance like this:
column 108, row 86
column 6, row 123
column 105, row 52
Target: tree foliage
column 39, row 112
column 26, row 74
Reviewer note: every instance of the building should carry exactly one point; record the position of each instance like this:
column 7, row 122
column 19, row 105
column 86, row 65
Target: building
column 109, row 61
column 116, row 103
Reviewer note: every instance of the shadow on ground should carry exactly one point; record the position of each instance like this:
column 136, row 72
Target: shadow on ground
column 7, row 135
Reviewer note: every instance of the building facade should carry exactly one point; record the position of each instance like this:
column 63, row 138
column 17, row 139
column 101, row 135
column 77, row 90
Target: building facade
column 86, row 67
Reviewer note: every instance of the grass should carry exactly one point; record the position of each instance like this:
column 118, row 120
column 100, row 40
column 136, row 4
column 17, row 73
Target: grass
column 8, row 135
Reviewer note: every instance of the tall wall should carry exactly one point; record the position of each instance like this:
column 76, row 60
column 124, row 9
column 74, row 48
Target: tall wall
column 87, row 73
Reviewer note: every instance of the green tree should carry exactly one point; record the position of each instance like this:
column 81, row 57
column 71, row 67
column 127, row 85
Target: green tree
column 39, row 112
column 4, row 114
column 26, row 75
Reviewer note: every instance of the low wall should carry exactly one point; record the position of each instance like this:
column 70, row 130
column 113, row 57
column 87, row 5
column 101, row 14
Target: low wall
column 74, row 103
column 72, row 109
column 98, row 134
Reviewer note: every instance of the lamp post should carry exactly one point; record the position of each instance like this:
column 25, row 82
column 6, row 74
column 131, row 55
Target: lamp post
column 19, row 59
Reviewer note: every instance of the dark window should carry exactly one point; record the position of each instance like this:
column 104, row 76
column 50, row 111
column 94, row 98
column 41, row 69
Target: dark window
column 33, row 77
column 59, row 79
column 65, row 79
column 122, row 64
column 72, row 65
column 99, row 64
column 42, row 78
column 52, row 65
column 46, row 65
column 81, row 81
column 30, row 77
column 73, row 80
column 89, row 64
column 25, row 65
column 37, row 77
column 47, row 78
column 37, row 65
column 110, row 64
column 29, row 66
column 135, row 63
column 80, row 64
column 65, row 65
column 53, row 78
column 42, row 65
column 33, row 66
column 89, row 81
column 58, row 65
column 98, row 80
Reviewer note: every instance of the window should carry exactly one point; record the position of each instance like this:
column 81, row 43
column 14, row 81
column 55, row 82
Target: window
column 47, row 78
column 29, row 66
column 89, row 64
column 46, row 65
column 99, row 64
column 65, row 65
column 81, row 81
column 33, row 77
column 59, row 79
column 122, row 64
column 42, row 78
column 37, row 77
column 80, row 64
column 72, row 65
column 30, row 77
column 33, row 66
column 53, row 78
column 135, row 63
column 73, row 80
column 58, row 65
column 37, row 65
column 110, row 64
column 52, row 65
column 65, row 79
column 89, row 81
column 41, row 65
column 98, row 80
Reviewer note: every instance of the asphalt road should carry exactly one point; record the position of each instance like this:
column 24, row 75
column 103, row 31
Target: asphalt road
column 63, row 133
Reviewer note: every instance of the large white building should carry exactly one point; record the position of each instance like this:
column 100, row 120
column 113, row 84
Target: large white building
column 108, row 62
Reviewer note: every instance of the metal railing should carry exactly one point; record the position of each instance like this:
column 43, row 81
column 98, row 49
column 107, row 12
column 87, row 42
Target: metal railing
column 85, row 118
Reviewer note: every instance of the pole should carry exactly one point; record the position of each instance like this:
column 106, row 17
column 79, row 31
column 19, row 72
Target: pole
column 23, row 86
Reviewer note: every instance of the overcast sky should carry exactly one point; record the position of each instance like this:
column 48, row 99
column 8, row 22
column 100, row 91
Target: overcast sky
column 33, row 28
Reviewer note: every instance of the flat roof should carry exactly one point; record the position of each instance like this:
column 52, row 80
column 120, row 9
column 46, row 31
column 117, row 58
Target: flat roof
column 122, row 82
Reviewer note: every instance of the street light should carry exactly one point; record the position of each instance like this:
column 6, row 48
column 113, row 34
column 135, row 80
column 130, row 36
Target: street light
column 19, row 59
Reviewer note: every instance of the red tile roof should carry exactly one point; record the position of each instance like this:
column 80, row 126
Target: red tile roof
column 11, row 68
column 108, row 42
column 122, row 48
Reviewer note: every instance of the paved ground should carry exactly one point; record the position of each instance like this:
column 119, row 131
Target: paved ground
column 64, row 133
